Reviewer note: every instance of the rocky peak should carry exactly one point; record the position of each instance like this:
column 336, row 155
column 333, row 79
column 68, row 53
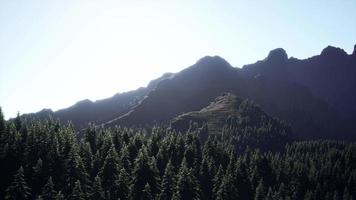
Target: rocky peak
column 278, row 55
column 215, row 61
column 333, row 52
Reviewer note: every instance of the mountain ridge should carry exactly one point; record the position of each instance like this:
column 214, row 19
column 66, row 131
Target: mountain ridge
column 281, row 85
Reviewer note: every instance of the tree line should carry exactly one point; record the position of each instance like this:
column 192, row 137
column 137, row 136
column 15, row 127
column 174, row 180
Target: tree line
column 43, row 159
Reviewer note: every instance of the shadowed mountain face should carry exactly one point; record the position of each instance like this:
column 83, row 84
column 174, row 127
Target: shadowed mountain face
column 101, row 111
column 316, row 95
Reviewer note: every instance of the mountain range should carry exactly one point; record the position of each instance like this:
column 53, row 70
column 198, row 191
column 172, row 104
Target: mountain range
column 316, row 96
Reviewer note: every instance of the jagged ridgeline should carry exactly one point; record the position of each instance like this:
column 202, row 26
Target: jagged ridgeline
column 46, row 160
column 316, row 96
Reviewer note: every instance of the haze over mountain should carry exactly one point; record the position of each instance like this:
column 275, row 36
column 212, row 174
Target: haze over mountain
column 315, row 95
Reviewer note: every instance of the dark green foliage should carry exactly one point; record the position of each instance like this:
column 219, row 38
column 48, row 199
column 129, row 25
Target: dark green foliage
column 48, row 192
column 109, row 173
column 18, row 189
column 168, row 182
column 159, row 163
column 77, row 192
column 145, row 172
column 146, row 193
column 260, row 191
column 187, row 186
column 98, row 192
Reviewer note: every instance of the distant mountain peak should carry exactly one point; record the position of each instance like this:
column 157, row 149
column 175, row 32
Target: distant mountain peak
column 212, row 61
column 333, row 52
column 278, row 55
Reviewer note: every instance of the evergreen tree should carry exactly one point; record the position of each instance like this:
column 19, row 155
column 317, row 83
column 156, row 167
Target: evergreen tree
column 168, row 182
column 97, row 191
column 75, row 171
column 217, row 181
column 145, row 171
column 260, row 191
column 77, row 192
column 109, row 173
column 18, row 190
column 122, row 185
column 206, row 180
column 37, row 176
column 146, row 193
column 187, row 187
column 59, row 196
column 227, row 188
column 48, row 192
column 2, row 125
column 269, row 195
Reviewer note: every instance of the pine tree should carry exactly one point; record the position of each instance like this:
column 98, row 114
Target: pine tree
column 217, row 181
column 59, row 196
column 75, row 171
column 336, row 196
column 206, row 180
column 146, row 193
column 122, row 185
column 260, row 191
column 346, row 195
column 2, row 125
column 187, row 187
column 77, row 192
column 168, row 182
column 48, row 192
column 282, row 193
column 37, row 177
column 227, row 189
column 243, row 183
column 18, row 188
column 269, row 195
column 109, row 173
column 97, row 191
column 145, row 171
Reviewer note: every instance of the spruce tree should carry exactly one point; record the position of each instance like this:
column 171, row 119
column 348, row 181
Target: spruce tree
column 145, row 171
column 18, row 190
column 187, row 187
column 206, row 180
column 77, row 192
column 217, row 181
column 59, row 196
column 2, row 125
column 48, row 192
column 269, row 195
column 260, row 191
column 122, row 185
column 109, row 173
column 168, row 182
column 37, row 176
column 97, row 191
column 75, row 170
column 227, row 189
column 146, row 193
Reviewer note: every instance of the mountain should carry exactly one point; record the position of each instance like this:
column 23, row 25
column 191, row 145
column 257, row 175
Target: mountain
column 101, row 111
column 224, row 109
column 315, row 95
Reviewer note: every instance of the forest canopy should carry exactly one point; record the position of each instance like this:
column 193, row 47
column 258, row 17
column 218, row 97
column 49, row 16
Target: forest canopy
column 47, row 160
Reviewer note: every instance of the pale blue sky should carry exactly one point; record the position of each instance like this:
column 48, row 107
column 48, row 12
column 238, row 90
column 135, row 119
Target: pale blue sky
column 55, row 53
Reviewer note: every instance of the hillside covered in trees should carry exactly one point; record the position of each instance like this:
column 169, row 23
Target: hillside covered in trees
column 247, row 160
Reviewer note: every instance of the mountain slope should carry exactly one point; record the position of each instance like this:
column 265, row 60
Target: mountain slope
column 315, row 95
column 268, row 82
